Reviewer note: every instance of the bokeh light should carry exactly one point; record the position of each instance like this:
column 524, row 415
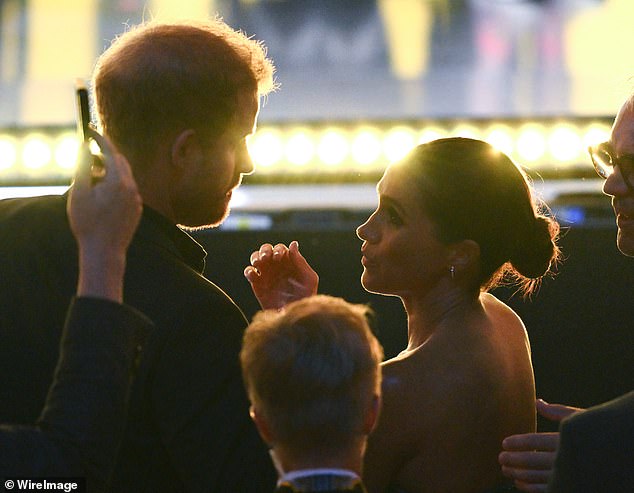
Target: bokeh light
column 531, row 143
column 266, row 147
column 8, row 152
column 366, row 146
column 332, row 147
column 36, row 151
column 300, row 147
column 398, row 142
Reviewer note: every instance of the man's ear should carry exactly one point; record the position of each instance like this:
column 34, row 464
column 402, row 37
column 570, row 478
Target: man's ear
column 185, row 148
column 261, row 425
column 463, row 255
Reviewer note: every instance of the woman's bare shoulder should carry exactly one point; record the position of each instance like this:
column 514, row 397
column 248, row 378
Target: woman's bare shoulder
column 500, row 313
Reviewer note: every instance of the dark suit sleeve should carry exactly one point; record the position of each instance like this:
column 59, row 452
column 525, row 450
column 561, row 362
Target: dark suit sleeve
column 203, row 410
column 81, row 424
column 596, row 450
column 566, row 474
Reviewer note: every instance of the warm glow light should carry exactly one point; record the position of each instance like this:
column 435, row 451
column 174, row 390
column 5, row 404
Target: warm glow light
column 564, row 143
column 36, row 153
column 431, row 133
column 333, row 147
column 501, row 138
column 266, row 147
column 398, row 143
column 595, row 134
column 355, row 151
column 366, row 146
column 66, row 151
column 466, row 131
column 300, row 147
column 8, row 152
column 531, row 144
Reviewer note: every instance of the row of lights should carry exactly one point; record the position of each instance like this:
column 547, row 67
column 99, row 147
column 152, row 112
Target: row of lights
column 370, row 148
column 276, row 150
column 38, row 156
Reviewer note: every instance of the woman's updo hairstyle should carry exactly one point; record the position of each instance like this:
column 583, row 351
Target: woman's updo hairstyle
column 472, row 191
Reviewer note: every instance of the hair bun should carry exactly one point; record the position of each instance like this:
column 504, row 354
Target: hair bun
column 537, row 252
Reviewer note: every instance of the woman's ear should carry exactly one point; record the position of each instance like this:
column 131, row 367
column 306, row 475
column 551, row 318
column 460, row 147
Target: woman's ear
column 185, row 148
column 463, row 255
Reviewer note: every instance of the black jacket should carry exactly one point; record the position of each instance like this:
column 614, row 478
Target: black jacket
column 188, row 427
column 80, row 428
column 596, row 450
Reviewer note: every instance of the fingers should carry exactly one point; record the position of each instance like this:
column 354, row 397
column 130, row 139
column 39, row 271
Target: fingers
column 554, row 412
column 531, row 488
column 84, row 162
column 528, row 460
column 252, row 274
column 279, row 251
column 110, row 166
column 530, row 470
column 268, row 252
column 294, row 254
column 107, row 149
column 531, row 442
column 527, row 476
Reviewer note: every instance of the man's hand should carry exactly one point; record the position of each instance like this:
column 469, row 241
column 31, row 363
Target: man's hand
column 528, row 459
column 280, row 274
column 103, row 215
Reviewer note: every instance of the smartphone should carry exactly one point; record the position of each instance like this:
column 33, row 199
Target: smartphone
column 83, row 126
column 83, row 110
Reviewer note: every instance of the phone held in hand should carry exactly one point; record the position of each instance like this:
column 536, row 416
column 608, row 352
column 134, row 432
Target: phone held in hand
column 83, row 110
column 84, row 125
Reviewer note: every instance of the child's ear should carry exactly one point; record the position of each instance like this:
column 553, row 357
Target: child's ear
column 261, row 425
column 372, row 414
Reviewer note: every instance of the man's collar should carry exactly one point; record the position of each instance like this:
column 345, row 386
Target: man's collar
column 320, row 479
column 192, row 253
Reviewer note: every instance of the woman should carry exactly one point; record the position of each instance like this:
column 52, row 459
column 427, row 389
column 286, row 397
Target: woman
column 455, row 218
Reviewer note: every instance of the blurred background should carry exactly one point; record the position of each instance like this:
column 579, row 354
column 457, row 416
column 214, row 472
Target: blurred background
column 361, row 83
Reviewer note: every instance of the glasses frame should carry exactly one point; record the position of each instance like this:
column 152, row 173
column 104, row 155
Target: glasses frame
column 605, row 169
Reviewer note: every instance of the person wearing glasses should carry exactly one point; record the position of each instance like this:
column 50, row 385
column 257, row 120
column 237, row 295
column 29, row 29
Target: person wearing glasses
column 454, row 218
column 594, row 449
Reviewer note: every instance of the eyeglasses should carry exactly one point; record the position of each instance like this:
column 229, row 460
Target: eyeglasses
column 604, row 160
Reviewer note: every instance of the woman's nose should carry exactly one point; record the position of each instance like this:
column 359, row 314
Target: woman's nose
column 366, row 232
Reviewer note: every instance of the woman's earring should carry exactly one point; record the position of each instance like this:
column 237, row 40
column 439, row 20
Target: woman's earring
column 452, row 271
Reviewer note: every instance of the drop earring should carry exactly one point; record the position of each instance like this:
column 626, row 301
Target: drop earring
column 452, row 271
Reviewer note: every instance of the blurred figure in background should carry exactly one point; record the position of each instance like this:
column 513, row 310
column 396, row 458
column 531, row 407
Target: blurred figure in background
column 313, row 375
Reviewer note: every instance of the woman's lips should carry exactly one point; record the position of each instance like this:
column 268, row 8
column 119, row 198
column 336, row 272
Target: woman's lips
column 366, row 262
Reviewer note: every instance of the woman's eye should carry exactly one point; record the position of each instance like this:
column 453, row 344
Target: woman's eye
column 394, row 216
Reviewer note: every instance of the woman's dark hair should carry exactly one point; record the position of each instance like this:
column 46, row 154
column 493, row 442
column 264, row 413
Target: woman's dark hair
column 472, row 191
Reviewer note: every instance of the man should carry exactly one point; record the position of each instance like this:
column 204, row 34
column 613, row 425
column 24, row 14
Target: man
column 87, row 402
column 313, row 375
column 594, row 451
column 179, row 101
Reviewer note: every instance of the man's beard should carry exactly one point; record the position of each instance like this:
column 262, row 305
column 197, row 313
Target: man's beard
column 209, row 220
